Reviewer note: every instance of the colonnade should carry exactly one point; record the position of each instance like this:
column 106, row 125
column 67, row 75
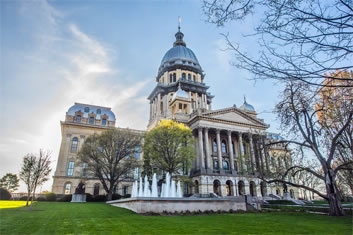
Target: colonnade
column 229, row 147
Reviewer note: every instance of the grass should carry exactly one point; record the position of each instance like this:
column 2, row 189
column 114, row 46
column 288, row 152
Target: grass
column 100, row 218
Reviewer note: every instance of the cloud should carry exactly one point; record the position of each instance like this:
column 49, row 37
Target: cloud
column 61, row 64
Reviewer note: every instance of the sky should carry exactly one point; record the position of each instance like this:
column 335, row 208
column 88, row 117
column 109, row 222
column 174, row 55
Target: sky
column 107, row 53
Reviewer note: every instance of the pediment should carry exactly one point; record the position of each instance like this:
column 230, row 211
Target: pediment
column 234, row 115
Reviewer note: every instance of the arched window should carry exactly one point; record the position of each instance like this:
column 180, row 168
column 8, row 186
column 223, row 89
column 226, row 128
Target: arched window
column 67, row 188
column 214, row 146
column 194, row 78
column 174, row 77
column 183, row 76
column 189, row 77
column 241, row 187
column 224, row 146
column 252, row 188
column 217, row 187
column 170, row 78
column 225, row 165
column 215, row 164
column 74, row 144
column 196, row 186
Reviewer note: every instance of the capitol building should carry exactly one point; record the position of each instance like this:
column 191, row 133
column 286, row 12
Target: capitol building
column 229, row 142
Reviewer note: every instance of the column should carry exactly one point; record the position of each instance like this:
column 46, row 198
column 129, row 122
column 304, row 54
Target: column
column 202, row 158
column 241, row 148
column 230, row 149
column 252, row 154
column 219, row 150
column 159, row 104
column 207, row 149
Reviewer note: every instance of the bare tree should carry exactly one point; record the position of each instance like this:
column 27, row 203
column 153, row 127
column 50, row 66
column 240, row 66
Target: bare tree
column 111, row 156
column 299, row 118
column 35, row 171
column 299, row 40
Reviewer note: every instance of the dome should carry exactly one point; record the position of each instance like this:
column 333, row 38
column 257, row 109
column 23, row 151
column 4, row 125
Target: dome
column 87, row 109
column 179, row 54
column 247, row 107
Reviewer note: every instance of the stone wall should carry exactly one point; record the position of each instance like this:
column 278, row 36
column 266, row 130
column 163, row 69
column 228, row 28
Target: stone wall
column 160, row 205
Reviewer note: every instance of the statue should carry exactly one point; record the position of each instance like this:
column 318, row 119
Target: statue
column 80, row 189
column 285, row 188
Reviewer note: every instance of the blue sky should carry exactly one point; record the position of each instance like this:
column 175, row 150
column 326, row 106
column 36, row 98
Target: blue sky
column 55, row 53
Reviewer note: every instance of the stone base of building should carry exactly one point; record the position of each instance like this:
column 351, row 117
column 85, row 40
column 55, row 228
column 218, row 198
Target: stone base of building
column 78, row 198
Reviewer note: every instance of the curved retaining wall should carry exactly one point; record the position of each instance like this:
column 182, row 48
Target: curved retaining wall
column 160, row 205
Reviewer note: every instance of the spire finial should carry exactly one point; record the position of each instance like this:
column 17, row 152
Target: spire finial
column 244, row 99
column 179, row 22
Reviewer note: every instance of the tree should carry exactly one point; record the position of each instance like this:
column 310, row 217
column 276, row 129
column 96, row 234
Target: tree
column 169, row 148
column 35, row 171
column 298, row 40
column 334, row 103
column 298, row 116
column 302, row 44
column 9, row 182
column 110, row 156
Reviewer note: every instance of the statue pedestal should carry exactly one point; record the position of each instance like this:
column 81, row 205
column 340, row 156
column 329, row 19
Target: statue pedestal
column 286, row 196
column 78, row 198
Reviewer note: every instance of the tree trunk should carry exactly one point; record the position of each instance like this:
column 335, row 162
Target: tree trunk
column 334, row 199
column 110, row 195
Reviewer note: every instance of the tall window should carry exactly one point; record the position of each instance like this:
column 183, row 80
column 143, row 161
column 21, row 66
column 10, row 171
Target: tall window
column 194, row 78
column 137, row 151
column 125, row 190
column 84, row 169
column 67, row 189
column 224, row 146
column 104, row 122
column 225, row 165
column 91, row 120
column 214, row 146
column 174, row 77
column 70, row 168
column 245, row 149
column 189, row 76
column 78, row 118
column 183, row 76
column 215, row 164
column 96, row 190
column 74, row 144
column 170, row 78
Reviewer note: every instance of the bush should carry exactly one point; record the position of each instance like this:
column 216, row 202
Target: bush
column 66, row 198
column 281, row 202
column 50, row 197
column 40, row 199
column 116, row 196
column 4, row 194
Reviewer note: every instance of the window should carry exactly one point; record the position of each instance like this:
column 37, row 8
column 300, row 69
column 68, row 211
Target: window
column 91, row 120
column 194, row 78
column 214, row 146
column 125, row 190
column 245, row 150
column 137, row 151
column 225, row 165
column 224, row 146
column 67, row 189
column 174, row 77
column 98, row 111
column 104, row 122
column 70, row 169
column 215, row 164
column 170, row 78
column 74, row 144
column 86, row 109
column 183, row 76
column 84, row 169
column 189, row 77
column 78, row 118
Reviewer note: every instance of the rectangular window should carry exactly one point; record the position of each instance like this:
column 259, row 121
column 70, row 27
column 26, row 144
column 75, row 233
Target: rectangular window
column 104, row 122
column 70, row 169
column 91, row 120
column 78, row 118
column 68, row 188
column 84, row 169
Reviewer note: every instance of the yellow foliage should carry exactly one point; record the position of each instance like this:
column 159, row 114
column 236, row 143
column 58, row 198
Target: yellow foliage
column 172, row 124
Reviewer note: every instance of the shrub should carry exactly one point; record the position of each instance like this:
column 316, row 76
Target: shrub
column 116, row 196
column 50, row 197
column 66, row 198
column 4, row 194
column 24, row 198
column 40, row 199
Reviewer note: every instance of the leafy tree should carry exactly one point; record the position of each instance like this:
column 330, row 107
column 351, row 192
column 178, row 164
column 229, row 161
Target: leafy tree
column 298, row 40
column 169, row 147
column 111, row 156
column 9, row 182
column 35, row 171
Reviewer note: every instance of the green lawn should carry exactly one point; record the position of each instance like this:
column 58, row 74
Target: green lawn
column 100, row 218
